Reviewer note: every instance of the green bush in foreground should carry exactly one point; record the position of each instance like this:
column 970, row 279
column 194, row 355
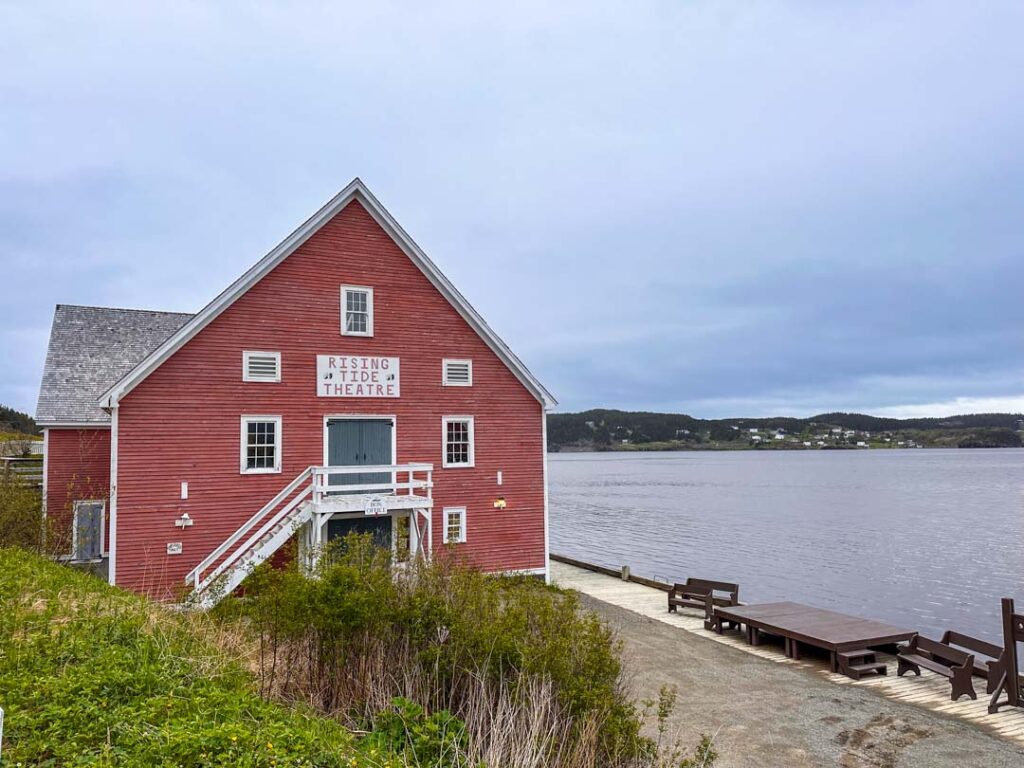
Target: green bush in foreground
column 536, row 679
column 442, row 667
column 90, row 675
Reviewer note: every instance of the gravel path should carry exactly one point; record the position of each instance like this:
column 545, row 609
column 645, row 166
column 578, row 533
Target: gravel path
column 773, row 715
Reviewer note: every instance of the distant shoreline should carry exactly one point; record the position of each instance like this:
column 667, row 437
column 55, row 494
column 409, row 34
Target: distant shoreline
column 658, row 447
column 627, row 431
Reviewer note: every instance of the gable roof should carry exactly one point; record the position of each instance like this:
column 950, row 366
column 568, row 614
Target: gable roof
column 355, row 191
column 90, row 349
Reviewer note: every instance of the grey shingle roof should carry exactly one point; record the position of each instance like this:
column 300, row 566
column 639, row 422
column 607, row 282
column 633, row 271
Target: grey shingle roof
column 91, row 348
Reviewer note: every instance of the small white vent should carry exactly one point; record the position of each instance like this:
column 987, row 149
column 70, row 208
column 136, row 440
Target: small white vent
column 261, row 366
column 458, row 373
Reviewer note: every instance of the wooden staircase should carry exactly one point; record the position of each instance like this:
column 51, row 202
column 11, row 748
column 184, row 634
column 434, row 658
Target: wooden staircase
column 306, row 503
column 220, row 572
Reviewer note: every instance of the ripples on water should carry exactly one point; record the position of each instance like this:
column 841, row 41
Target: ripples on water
column 928, row 539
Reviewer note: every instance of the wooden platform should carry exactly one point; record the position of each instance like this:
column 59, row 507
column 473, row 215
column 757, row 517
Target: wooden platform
column 799, row 624
column 928, row 691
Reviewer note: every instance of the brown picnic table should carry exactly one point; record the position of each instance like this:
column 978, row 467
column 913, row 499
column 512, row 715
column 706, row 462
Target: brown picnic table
column 799, row 624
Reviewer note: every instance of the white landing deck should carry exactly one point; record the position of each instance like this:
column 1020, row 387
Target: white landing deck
column 928, row 691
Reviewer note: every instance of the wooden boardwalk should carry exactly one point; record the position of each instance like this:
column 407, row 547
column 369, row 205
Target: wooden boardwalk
column 928, row 691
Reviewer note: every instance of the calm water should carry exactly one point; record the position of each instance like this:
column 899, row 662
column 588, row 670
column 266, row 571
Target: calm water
column 927, row 539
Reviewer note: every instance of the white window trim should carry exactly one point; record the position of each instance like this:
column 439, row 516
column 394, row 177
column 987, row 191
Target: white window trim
column 445, row 421
column 448, row 512
column 243, row 445
column 444, row 373
column 369, row 309
column 245, row 366
column 74, row 526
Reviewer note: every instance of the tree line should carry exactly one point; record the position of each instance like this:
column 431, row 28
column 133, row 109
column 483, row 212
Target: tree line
column 601, row 427
column 16, row 421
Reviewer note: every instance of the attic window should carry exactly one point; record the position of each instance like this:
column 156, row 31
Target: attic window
column 457, row 373
column 261, row 366
column 356, row 310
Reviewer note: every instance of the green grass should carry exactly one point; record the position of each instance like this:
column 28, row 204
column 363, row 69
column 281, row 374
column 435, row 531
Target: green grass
column 450, row 669
column 9, row 436
column 90, row 675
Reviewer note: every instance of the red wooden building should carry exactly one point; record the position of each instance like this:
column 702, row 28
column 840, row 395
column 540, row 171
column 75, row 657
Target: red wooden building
column 342, row 383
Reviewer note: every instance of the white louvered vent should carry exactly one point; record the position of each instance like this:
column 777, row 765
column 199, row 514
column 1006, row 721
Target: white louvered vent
column 458, row 373
column 261, row 366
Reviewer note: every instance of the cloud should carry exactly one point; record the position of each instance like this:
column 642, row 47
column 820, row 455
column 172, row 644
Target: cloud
column 957, row 406
column 700, row 206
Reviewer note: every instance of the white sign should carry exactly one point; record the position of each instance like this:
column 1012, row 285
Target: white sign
column 174, row 548
column 375, row 506
column 356, row 376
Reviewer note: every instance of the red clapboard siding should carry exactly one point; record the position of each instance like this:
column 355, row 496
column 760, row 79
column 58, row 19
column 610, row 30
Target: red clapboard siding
column 182, row 422
column 77, row 469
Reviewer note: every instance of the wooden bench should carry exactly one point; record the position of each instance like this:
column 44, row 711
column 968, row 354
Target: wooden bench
column 705, row 595
column 987, row 668
column 941, row 659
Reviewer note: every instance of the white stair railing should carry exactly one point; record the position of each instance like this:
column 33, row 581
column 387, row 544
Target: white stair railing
column 406, row 486
column 290, row 493
column 407, row 478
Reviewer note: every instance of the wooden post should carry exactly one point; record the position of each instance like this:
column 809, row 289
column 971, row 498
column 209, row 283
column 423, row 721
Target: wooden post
column 1010, row 638
column 625, row 573
column 1008, row 669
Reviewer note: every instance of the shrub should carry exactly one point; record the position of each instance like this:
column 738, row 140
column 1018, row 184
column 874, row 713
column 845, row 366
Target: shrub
column 407, row 730
column 536, row 680
column 22, row 523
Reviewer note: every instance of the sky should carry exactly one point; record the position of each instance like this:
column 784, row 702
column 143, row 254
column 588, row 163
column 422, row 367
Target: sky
column 718, row 208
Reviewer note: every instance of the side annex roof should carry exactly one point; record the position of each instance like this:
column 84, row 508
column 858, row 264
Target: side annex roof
column 90, row 348
column 355, row 191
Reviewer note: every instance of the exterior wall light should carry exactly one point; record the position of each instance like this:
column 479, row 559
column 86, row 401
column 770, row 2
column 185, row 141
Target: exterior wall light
column 500, row 503
column 184, row 521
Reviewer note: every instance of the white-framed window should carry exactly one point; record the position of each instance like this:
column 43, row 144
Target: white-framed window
column 356, row 310
column 261, row 445
column 457, row 373
column 454, row 525
column 457, row 441
column 261, row 366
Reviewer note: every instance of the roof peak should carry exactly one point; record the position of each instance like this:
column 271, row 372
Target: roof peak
column 354, row 190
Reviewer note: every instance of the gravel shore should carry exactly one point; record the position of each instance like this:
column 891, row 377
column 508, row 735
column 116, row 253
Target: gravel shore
column 766, row 715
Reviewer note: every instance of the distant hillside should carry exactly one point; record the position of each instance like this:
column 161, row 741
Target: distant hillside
column 16, row 421
column 602, row 429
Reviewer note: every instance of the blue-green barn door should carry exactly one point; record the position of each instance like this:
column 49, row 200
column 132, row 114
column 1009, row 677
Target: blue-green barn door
column 360, row 442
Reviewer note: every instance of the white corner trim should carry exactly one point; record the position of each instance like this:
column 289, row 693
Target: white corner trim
column 355, row 190
column 112, row 503
column 544, row 479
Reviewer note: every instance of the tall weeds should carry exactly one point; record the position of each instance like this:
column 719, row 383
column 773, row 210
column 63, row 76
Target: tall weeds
column 22, row 522
column 536, row 681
